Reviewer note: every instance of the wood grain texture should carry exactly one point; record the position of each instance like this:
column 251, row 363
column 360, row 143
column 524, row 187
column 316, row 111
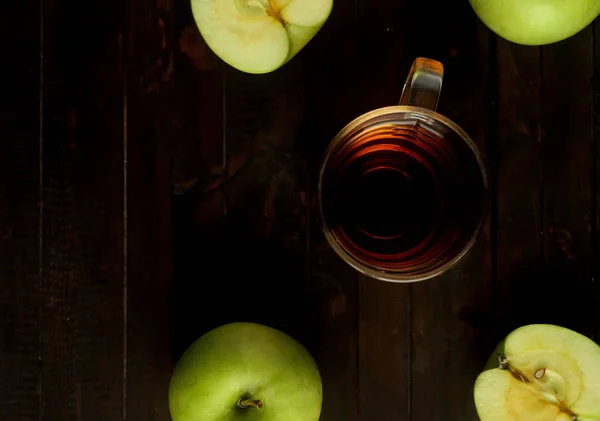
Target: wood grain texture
column 384, row 342
column 568, row 167
column 196, row 144
column 545, row 204
column 267, row 197
column 384, row 350
column 82, row 313
column 446, row 347
column 82, row 256
column 247, row 217
column 334, row 90
column 20, row 198
column 148, row 208
column 518, row 183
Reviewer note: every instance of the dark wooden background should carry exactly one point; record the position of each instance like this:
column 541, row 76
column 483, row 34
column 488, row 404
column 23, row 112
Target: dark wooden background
column 149, row 193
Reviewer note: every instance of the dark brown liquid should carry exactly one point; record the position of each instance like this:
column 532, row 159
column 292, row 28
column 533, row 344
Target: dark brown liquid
column 402, row 197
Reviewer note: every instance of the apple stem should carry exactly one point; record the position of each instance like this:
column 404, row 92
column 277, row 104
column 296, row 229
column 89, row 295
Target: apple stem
column 516, row 373
column 502, row 362
column 250, row 402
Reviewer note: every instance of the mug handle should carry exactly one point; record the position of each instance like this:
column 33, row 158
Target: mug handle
column 423, row 84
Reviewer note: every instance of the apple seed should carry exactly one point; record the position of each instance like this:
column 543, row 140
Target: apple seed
column 540, row 373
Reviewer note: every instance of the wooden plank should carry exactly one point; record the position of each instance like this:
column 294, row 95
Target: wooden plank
column 20, row 197
column 568, row 168
column 148, row 201
column 196, row 135
column 384, row 309
column 519, row 177
column 333, row 98
column 261, row 252
column 266, row 198
column 544, row 182
column 446, row 355
column 384, row 350
column 82, row 257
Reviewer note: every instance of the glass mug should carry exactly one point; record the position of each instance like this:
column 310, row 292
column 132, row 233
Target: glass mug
column 402, row 190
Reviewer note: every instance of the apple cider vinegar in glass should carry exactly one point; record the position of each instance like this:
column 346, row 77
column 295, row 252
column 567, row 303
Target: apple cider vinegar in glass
column 403, row 189
column 399, row 195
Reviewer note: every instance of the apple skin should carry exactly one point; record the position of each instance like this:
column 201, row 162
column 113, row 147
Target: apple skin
column 245, row 361
column 536, row 22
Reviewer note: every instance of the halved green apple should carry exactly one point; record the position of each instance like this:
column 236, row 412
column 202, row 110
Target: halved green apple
column 543, row 373
column 259, row 36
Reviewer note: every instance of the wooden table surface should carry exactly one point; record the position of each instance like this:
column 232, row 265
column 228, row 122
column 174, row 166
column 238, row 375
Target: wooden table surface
column 149, row 193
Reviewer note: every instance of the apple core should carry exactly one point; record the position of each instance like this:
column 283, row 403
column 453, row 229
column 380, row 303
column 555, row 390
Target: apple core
column 546, row 390
column 258, row 9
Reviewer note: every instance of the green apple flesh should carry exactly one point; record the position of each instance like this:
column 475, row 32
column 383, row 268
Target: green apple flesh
column 259, row 36
column 543, row 373
column 536, row 22
column 245, row 372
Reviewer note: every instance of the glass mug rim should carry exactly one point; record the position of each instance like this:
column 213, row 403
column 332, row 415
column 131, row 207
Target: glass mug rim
column 417, row 113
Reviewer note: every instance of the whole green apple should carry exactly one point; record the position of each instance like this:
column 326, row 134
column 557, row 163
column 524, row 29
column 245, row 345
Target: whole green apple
column 245, row 372
column 536, row 22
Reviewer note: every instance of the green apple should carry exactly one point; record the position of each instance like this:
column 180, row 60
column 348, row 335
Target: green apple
column 536, row 22
column 245, row 372
column 259, row 36
column 543, row 373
